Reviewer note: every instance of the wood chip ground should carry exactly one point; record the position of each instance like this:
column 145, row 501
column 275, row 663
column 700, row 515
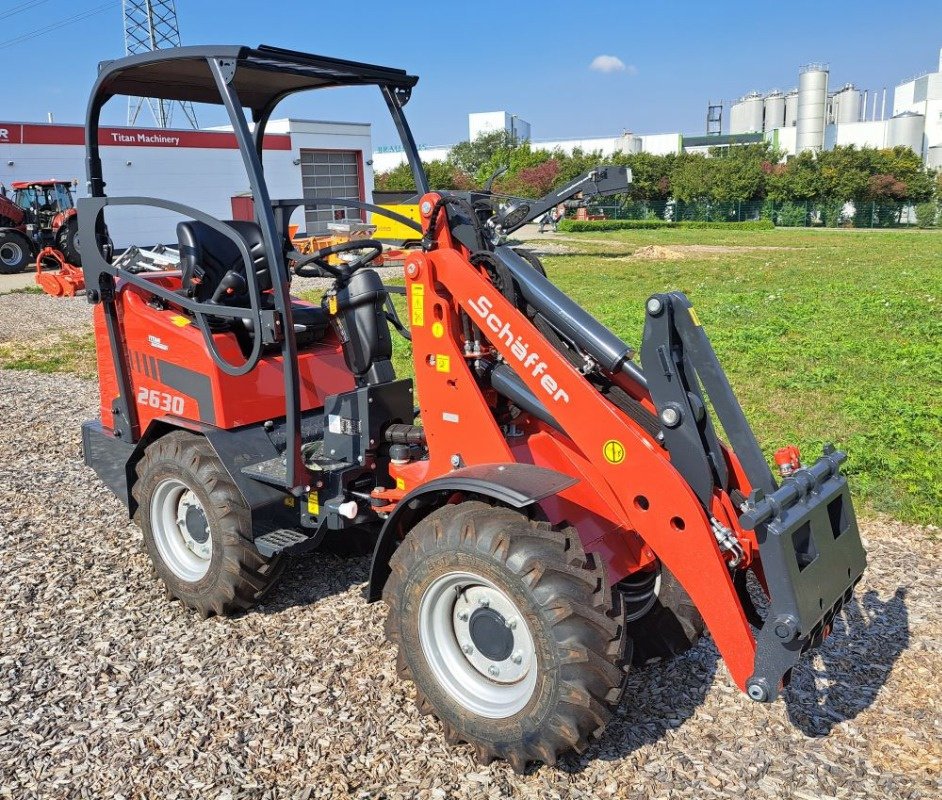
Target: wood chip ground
column 107, row 690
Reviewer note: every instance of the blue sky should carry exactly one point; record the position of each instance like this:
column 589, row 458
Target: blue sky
column 532, row 59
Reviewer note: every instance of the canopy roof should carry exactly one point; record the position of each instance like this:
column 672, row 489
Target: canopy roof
column 263, row 74
column 49, row 182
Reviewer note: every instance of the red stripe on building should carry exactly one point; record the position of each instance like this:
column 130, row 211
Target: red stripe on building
column 17, row 133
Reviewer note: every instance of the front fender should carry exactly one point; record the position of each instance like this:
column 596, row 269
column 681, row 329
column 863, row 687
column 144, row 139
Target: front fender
column 514, row 485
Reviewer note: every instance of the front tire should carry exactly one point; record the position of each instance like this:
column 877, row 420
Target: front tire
column 197, row 528
column 67, row 242
column 15, row 252
column 509, row 631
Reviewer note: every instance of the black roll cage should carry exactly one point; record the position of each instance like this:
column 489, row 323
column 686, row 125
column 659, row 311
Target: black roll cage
column 236, row 77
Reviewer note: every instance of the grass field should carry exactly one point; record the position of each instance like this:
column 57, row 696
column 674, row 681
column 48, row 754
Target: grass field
column 826, row 336
column 831, row 336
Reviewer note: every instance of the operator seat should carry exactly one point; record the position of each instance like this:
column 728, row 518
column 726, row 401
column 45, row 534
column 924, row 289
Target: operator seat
column 206, row 256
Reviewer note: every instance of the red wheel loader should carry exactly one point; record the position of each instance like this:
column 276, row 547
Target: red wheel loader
column 549, row 510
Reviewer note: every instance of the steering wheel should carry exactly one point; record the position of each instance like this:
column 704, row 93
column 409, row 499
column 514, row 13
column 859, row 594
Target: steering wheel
column 318, row 258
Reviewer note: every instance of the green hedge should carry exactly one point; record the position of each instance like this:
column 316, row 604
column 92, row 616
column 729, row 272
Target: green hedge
column 588, row 225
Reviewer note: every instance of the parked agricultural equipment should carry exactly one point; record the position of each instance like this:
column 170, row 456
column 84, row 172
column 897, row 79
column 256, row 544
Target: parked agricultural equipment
column 69, row 280
column 40, row 215
column 550, row 513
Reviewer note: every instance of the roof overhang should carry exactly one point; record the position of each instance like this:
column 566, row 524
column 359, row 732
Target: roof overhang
column 262, row 75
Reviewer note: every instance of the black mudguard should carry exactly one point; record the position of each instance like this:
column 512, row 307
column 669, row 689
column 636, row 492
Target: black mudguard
column 514, row 485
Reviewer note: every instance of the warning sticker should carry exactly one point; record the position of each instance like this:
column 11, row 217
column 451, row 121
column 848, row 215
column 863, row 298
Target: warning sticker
column 332, row 305
column 443, row 363
column 694, row 317
column 313, row 505
column 438, row 330
column 401, row 484
column 614, row 451
column 418, row 305
column 180, row 322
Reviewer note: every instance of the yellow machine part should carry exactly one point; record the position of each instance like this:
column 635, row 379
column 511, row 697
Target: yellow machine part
column 388, row 230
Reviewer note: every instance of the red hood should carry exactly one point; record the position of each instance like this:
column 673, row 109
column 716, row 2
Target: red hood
column 11, row 211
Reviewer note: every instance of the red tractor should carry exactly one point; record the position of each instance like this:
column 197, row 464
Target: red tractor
column 41, row 214
column 549, row 513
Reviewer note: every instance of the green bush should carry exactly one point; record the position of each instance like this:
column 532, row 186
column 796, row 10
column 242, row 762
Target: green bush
column 589, row 225
column 927, row 214
column 791, row 215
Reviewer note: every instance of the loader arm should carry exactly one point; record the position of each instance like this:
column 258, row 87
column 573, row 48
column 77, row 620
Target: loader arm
column 681, row 491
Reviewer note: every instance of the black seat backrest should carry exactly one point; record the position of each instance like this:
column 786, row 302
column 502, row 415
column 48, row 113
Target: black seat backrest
column 207, row 255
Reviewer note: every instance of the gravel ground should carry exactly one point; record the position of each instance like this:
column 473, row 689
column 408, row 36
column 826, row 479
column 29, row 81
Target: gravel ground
column 38, row 317
column 108, row 690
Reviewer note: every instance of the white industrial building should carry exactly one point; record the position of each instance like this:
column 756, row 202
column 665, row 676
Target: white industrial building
column 202, row 169
column 812, row 116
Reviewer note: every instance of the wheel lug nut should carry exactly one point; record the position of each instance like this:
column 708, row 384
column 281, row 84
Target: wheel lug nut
column 484, row 602
column 511, row 623
column 463, row 616
column 493, row 671
column 517, row 657
column 468, row 649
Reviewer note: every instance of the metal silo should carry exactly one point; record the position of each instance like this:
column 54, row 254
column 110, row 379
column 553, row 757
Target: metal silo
column 812, row 107
column 737, row 118
column 846, row 104
column 791, row 108
column 774, row 110
column 754, row 110
column 906, row 129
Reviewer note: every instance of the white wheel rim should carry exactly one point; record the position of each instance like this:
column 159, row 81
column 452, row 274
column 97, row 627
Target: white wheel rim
column 11, row 253
column 187, row 553
column 454, row 612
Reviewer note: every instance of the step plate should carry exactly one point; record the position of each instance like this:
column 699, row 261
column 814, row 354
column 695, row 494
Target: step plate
column 271, row 544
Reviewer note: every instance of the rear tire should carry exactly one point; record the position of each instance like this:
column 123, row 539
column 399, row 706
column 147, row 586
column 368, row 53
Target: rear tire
column 531, row 673
column 15, row 252
column 197, row 528
column 661, row 619
column 67, row 242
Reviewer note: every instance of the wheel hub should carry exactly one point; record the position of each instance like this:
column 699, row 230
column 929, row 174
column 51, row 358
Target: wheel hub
column 181, row 530
column 194, row 528
column 490, row 634
column 478, row 644
column 10, row 253
column 486, row 624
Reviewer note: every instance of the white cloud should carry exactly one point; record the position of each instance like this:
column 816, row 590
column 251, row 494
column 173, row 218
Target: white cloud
column 605, row 63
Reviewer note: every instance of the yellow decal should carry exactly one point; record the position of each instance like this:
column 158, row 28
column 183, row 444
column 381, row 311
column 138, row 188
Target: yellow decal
column 332, row 305
column 443, row 363
column 694, row 317
column 614, row 451
column 313, row 504
column 289, row 501
column 401, row 484
column 418, row 305
column 180, row 322
column 438, row 330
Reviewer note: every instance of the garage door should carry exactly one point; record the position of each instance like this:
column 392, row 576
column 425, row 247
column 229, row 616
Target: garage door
column 330, row 174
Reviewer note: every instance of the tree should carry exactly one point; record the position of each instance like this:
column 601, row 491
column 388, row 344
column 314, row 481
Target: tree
column 798, row 180
column 470, row 157
column 533, row 181
column 440, row 174
column 690, row 178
